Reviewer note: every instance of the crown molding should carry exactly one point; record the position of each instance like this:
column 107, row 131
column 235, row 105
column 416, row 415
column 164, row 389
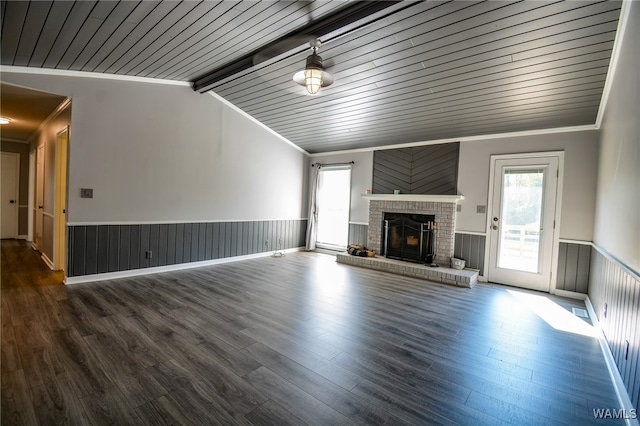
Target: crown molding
column 613, row 62
column 87, row 74
column 463, row 139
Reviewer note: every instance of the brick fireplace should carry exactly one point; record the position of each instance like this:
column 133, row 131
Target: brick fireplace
column 443, row 208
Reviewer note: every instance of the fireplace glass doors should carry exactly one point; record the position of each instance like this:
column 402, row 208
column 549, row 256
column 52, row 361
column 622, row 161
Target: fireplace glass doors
column 409, row 237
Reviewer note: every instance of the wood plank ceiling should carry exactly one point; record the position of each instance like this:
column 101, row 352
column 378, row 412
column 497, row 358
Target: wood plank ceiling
column 429, row 71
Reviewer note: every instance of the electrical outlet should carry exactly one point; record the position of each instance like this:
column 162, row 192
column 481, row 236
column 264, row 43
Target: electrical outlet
column 458, row 208
column 149, row 254
column 86, row 192
column 481, row 209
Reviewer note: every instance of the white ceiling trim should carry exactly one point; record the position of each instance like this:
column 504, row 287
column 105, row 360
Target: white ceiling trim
column 86, row 74
column 613, row 63
column 464, row 139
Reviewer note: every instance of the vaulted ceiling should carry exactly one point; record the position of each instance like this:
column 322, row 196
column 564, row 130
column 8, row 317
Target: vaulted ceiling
column 404, row 72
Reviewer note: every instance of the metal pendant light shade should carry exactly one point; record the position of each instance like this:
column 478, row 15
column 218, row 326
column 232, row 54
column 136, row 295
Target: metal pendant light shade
column 314, row 76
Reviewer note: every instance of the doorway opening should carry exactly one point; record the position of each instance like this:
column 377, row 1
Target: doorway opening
column 334, row 200
column 48, row 188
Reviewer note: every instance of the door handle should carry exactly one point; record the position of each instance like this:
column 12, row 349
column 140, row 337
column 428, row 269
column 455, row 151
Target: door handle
column 41, row 207
column 12, row 201
column 494, row 227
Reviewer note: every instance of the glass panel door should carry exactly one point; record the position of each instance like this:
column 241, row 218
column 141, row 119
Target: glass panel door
column 334, row 199
column 521, row 222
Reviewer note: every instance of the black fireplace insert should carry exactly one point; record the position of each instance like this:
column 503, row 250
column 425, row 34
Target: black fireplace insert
column 409, row 237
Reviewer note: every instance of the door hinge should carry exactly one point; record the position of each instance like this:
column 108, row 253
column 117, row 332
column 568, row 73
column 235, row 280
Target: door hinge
column 557, row 173
column 554, row 224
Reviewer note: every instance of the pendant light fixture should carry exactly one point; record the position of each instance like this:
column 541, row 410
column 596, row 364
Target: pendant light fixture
column 313, row 76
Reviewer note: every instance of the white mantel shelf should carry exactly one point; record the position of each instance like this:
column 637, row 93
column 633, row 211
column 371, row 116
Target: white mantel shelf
column 415, row 197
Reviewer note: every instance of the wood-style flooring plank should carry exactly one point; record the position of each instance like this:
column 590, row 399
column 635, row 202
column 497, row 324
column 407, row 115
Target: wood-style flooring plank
column 271, row 413
column 16, row 405
column 295, row 400
column 56, row 403
column 110, row 407
column 358, row 410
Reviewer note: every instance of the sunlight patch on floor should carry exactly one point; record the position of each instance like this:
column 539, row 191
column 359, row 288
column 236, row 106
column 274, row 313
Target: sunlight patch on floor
column 553, row 314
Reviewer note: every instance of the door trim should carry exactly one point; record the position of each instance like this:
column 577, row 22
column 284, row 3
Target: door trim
column 60, row 201
column 557, row 214
column 329, row 246
column 32, row 194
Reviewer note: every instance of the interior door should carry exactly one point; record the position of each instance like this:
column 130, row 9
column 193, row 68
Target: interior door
column 38, row 208
column 334, row 200
column 9, row 195
column 522, row 221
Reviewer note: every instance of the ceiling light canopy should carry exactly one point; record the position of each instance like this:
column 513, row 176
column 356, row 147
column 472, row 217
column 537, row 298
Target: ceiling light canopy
column 313, row 76
column 5, row 120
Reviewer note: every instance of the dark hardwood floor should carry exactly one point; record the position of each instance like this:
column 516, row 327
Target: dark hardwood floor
column 292, row 340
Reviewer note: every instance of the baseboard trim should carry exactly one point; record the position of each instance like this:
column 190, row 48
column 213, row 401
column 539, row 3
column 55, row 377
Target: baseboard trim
column 570, row 294
column 169, row 268
column 47, row 260
column 614, row 374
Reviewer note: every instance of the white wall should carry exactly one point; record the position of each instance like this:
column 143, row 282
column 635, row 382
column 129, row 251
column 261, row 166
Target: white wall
column 361, row 180
column 580, row 176
column 617, row 222
column 156, row 152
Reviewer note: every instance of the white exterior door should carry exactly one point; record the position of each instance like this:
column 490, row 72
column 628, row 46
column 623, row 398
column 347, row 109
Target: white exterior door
column 9, row 194
column 522, row 220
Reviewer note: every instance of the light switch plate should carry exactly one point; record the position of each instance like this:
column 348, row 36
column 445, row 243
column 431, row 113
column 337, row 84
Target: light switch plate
column 86, row 193
column 481, row 209
column 458, row 208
